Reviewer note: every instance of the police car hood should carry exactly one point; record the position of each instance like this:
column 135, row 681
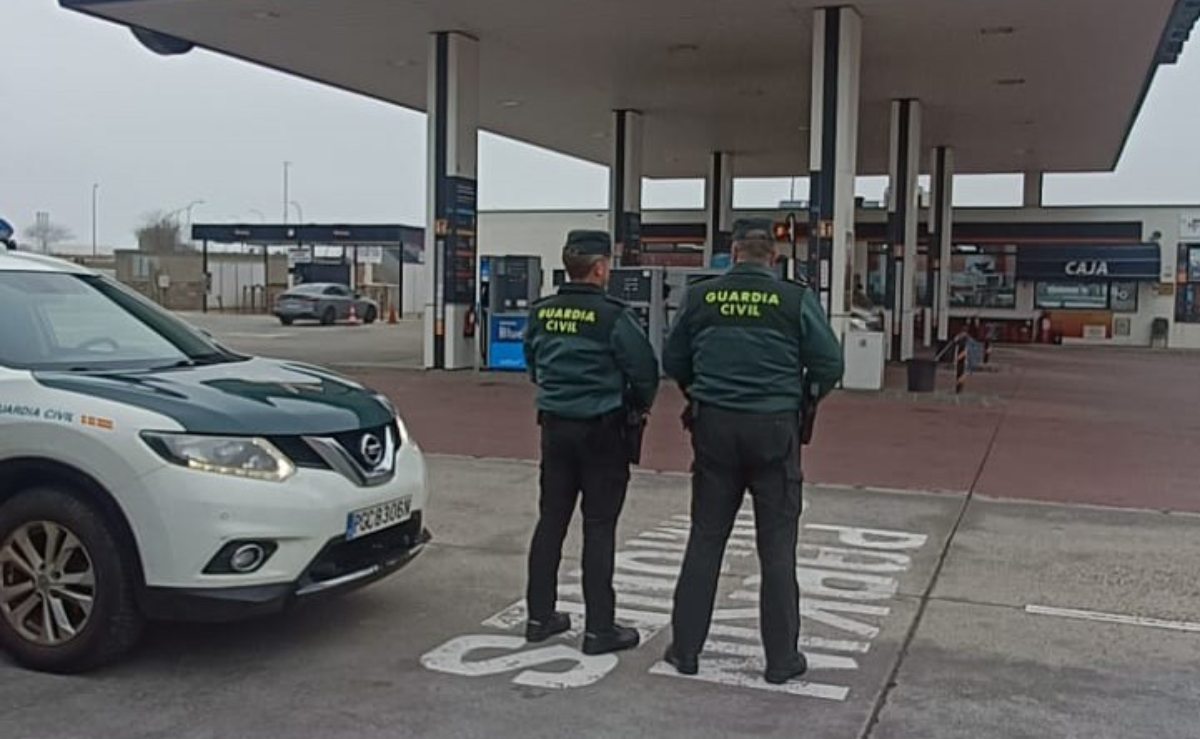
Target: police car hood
column 261, row 397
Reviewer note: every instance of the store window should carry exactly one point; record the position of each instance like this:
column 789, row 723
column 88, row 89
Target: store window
column 1123, row 297
column 1187, row 305
column 983, row 277
column 1071, row 295
column 878, row 256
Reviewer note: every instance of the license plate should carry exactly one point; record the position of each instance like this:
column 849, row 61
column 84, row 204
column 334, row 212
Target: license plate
column 292, row 306
column 376, row 518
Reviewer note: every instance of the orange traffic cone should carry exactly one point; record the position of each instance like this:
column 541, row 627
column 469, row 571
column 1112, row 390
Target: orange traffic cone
column 392, row 317
column 353, row 320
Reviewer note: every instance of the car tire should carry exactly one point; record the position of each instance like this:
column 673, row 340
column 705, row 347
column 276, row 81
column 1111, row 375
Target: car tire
column 370, row 315
column 88, row 625
column 329, row 317
column 287, row 321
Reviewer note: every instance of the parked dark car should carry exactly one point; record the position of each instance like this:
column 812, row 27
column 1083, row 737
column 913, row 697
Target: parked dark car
column 324, row 302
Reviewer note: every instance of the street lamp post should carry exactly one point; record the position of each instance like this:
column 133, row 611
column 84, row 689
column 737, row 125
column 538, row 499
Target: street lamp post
column 189, row 207
column 95, row 190
column 286, row 167
column 299, row 211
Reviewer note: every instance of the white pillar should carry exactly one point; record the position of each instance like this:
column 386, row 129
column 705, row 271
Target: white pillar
column 718, row 205
column 625, row 187
column 450, row 246
column 1032, row 190
column 833, row 157
column 903, row 212
column 941, row 243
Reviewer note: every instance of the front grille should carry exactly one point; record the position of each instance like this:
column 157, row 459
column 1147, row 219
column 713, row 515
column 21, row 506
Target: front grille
column 341, row 557
column 299, row 451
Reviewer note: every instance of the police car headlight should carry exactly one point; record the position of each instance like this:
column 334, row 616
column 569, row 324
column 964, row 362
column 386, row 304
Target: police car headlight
column 386, row 402
column 251, row 458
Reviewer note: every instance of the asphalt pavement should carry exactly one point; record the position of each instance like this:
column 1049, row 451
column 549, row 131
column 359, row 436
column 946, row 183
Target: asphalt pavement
column 1018, row 562
column 925, row 615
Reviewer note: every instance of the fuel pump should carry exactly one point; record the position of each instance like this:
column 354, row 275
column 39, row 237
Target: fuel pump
column 643, row 290
column 514, row 284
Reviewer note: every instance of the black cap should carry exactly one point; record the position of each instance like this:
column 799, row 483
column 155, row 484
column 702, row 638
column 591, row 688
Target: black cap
column 590, row 243
column 753, row 228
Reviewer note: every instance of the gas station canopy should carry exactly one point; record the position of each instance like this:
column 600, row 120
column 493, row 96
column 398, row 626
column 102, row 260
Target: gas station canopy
column 1012, row 85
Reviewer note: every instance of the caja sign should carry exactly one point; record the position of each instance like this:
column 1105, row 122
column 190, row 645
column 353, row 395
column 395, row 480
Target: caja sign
column 1087, row 268
column 1089, row 262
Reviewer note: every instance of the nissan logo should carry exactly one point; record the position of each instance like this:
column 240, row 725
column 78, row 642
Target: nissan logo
column 371, row 449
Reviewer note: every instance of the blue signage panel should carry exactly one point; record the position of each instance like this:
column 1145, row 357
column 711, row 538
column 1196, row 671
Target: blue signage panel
column 6, row 230
column 1089, row 263
column 506, row 342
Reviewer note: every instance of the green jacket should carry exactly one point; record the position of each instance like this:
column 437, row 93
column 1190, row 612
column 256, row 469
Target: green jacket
column 586, row 351
column 741, row 341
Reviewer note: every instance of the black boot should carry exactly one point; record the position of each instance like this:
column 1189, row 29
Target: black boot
column 614, row 640
column 779, row 676
column 683, row 664
column 536, row 631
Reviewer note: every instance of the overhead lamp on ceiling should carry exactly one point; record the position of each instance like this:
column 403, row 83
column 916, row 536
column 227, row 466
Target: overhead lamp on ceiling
column 510, row 103
column 997, row 31
column 266, row 15
column 1011, row 81
column 402, row 63
column 682, row 49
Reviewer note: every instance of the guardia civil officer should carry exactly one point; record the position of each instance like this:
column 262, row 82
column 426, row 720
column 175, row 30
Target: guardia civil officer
column 739, row 348
column 593, row 366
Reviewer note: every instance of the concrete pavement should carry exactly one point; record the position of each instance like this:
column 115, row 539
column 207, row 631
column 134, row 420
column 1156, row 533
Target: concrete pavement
column 378, row 345
column 966, row 610
column 436, row 650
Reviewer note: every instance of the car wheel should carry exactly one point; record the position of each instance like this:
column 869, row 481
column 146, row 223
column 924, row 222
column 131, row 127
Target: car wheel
column 67, row 585
column 329, row 317
column 370, row 314
column 287, row 321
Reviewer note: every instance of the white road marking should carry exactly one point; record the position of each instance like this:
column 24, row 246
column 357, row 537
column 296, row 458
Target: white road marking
column 1113, row 618
column 734, row 672
column 840, row 568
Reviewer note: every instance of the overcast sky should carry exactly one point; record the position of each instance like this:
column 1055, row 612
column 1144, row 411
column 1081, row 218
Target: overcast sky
column 84, row 103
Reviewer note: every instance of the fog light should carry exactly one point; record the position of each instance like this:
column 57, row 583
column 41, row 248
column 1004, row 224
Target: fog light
column 247, row 558
column 241, row 557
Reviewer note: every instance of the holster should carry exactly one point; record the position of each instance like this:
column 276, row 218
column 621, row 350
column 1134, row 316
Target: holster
column 808, row 412
column 688, row 416
column 633, row 431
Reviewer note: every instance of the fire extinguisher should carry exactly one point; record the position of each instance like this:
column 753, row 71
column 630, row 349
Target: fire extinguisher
column 469, row 321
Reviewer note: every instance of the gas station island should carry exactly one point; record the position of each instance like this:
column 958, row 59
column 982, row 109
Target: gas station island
column 771, row 88
column 1017, row 561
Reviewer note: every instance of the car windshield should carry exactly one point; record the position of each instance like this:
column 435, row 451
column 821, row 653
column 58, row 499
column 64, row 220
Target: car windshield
column 310, row 289
column 57, row 321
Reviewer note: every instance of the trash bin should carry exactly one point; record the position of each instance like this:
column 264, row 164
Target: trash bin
column 922, row 375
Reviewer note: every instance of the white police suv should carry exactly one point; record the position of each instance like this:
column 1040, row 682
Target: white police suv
column 146, row 472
